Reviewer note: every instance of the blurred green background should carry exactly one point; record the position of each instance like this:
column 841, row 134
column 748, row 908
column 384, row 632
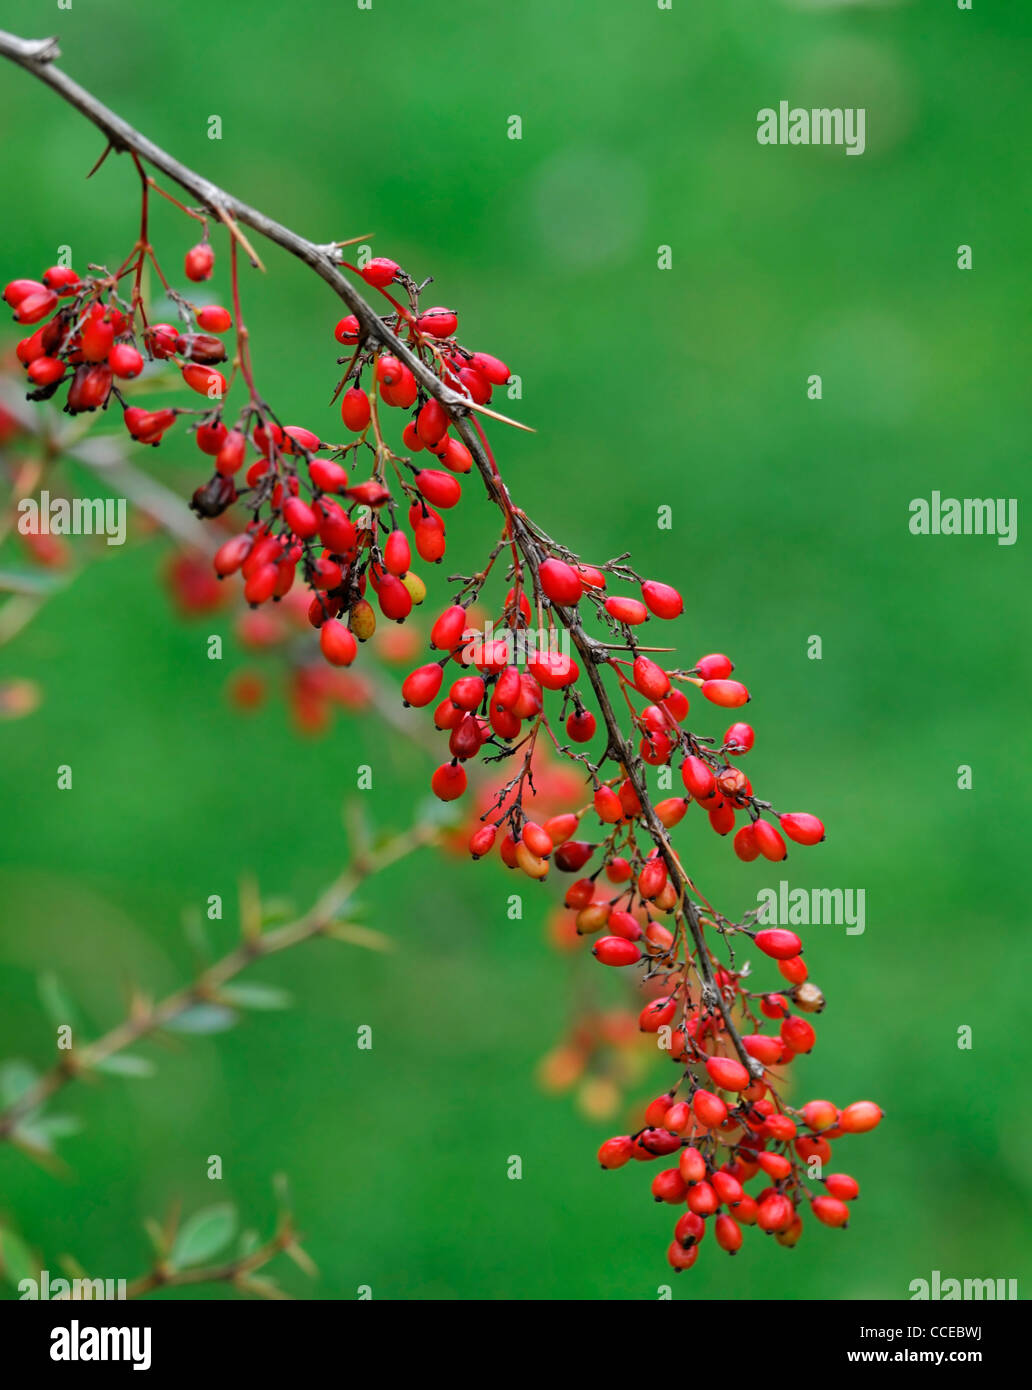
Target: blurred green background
column 683, row 387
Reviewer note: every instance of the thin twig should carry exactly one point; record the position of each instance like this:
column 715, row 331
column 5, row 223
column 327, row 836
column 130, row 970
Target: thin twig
column 145, row 1018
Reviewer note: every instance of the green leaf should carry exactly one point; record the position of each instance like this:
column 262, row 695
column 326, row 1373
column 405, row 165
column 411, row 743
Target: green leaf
column 203, row 1018
column 203, row 1235
column 276, row 911
column 125, row 1064
column 60, row 1009
column 16, row 1077
column 16, row 1263
column 257, row 996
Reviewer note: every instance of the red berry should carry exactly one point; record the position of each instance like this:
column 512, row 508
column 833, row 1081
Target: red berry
column 769, row 841
column 560, row 582
column 231, row 555
column 199, row 262
column 669, row 1186
column 348, row 330
column 211, row 438
column 447, row 631
column 96, row 339
column 379, row 272
column 442, row 489
column 17, row 290
column 794, row 970
column 231, row 455
column 728, row 1074
column 803, row 828
column 650, row 679
column 61, row 278
column 467, row 692
column 161, row 340
column 394, row 598
column 778, row 943
column 715, row 667
column 328, row 476
column 615, row 1152
column 421, row 686
column 763, row 1047
column 728, row 1233
column 396, row 553
column 478, row 386
column 454, row 455
column 438, row 323
column 214, row 318
column 90, row 388
column 701, row 1199
column 580, row 725
column 35, row 306
column 623, row 924
column 337, row 643
column 692, row 1166
column 709, row 1109
column 698, row 778
column 355, row 409
column 615, row 950
column 775, row 1213
column 741, row 738
column 206, row 381
column 147, row 426
column 493, row 368
column 662, row 599
column 656, row 1015
column 608, row 807
column 821, row 1114
column 830, row 1210
column 798, row 1034
column 842, row 1186
column 728, row 694
column 300, row 517
column 431, row 424
column 659, row 1142
column 297, row 439
column 681, row 1257
column 745, row 845
column 448, row 782
column 44, row 371
column 261, row 584
column 626, row 610
column 553, row 670
column 860, row 1117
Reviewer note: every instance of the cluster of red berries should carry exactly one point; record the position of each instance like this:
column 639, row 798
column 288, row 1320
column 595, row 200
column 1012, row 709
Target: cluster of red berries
column 329, row 513
column 90, row 338
column 719, row 1147
column 311, row 516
